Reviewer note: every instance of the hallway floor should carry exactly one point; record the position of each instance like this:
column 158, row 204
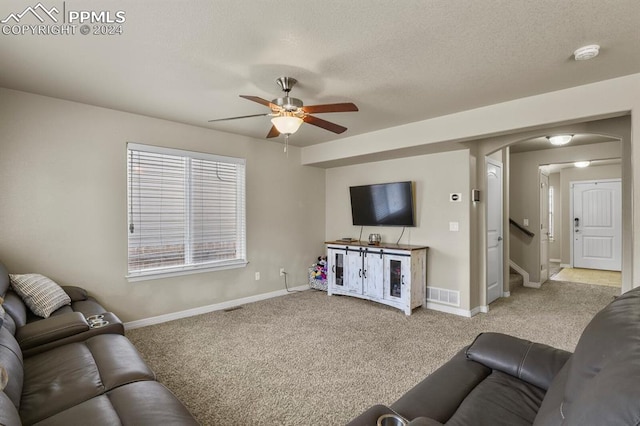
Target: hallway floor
column 585, row 276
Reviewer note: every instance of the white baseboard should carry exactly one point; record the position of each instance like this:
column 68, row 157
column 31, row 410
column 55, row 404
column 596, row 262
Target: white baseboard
column 555, row 260
column 209, row 308
column 455, row 311
column 532, row 284
column 506, row 294
column 565, row 265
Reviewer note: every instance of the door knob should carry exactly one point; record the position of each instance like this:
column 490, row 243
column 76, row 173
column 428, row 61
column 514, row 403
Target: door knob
column 499, row 238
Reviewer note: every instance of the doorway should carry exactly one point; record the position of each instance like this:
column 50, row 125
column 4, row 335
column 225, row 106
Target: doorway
column 596, row 208
column 494, row 230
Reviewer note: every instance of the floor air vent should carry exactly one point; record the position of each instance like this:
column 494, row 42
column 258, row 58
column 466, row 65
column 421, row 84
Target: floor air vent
column 442, row 295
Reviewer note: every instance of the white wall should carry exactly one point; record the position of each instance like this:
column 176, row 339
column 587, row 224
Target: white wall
column 63, row 205
column 435, row 177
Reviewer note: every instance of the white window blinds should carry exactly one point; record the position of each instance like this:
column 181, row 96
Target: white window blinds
column 186, row 211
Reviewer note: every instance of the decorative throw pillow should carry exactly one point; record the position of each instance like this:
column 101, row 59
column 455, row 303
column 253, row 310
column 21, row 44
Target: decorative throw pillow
column 39, row 293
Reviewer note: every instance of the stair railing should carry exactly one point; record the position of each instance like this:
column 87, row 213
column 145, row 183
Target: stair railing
column 522, row 228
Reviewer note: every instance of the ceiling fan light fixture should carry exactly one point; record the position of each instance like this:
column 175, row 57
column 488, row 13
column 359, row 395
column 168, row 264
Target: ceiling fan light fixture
column 582, row 164
column 560, row 139
column 287, row 124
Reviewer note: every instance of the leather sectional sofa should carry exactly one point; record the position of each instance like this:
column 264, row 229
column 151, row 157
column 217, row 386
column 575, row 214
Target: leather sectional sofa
column 503, row 380
column 64, row 371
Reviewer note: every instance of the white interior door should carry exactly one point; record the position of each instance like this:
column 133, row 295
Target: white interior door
column 494, row 230
column 597, row 224
column 544, row 227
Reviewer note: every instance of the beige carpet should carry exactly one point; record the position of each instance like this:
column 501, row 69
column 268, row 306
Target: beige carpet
column 589, row 276
column 310, row 359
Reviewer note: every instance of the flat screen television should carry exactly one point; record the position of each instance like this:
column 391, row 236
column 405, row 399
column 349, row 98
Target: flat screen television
column 383, row 204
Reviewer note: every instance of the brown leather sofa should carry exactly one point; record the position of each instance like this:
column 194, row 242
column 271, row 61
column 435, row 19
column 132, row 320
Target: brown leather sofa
column 62, row 371
column 503, row 380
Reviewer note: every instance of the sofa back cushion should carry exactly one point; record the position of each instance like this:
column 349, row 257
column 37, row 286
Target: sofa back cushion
column 11, row 360
column 600, row 384
column 16, row 308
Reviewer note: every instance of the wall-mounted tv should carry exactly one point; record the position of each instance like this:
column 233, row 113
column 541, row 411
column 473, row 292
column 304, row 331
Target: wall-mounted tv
column 383, row 204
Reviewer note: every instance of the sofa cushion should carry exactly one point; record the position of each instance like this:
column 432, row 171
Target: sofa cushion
column 68, row 375
column 500, row 399
column 141, row 404
column 39, row 293
column 439, row 394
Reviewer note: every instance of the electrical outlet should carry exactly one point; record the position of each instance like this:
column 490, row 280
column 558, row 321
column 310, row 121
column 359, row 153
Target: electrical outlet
column 257, row 276
column 282, row 272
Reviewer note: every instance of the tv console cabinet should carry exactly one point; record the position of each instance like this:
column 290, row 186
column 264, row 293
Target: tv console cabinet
column 391, row 274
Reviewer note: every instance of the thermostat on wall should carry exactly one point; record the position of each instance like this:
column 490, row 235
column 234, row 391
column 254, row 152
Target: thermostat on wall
column 455, row 197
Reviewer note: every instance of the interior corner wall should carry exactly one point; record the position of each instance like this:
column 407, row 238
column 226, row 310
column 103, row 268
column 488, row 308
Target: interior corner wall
column 435, row 177
column 63, row 203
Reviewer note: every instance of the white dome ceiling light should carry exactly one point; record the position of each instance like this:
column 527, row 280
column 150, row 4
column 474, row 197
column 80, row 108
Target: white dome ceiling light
column 586, row 52
column 560, row 139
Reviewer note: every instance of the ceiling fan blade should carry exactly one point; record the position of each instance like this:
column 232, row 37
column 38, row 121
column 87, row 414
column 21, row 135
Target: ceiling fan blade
column 343, row 107
column 237, row 118
column 260, row 101
column 273, row 132
column 332, row 127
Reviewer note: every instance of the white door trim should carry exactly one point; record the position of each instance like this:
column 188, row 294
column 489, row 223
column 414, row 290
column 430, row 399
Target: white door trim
column 544, row 220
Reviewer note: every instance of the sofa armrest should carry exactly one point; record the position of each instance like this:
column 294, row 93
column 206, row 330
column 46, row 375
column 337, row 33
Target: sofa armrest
column 424, row 421
column 534, row 363
column 439, row 395
column 76, row 294
column 370, row 417
column 51, row 329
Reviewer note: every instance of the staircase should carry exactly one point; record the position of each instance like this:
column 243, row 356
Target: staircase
column 515, row 280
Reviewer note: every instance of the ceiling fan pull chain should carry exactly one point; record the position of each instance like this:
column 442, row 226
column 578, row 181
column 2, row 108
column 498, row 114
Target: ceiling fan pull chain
column 286, row 143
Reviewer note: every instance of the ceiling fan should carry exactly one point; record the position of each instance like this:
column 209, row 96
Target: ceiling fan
column 289, row 113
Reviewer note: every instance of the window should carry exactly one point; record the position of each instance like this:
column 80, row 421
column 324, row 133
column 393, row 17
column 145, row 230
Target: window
column 186, row 211
column 551, row 209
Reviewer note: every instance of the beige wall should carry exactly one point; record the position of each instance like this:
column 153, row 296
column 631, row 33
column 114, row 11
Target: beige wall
column 524, row 195
column 435, row 177
column 567, row 176
column 63, row 205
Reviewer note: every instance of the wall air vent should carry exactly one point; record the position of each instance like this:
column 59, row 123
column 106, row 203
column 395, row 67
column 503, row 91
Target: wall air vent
column 444, row 296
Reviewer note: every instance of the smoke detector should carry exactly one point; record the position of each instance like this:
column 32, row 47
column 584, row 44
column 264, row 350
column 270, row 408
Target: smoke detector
column 586, row 52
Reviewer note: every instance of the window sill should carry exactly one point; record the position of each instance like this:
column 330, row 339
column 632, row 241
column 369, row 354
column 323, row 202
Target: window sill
column 176, row 272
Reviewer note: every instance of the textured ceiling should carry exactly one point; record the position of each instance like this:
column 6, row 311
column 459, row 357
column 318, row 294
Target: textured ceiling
column 400, row 62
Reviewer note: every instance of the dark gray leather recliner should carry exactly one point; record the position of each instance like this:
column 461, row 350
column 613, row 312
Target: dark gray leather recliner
column 503, row 380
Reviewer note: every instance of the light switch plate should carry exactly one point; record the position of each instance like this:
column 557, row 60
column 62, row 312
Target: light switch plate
column 525, row 222
column 454, row 226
